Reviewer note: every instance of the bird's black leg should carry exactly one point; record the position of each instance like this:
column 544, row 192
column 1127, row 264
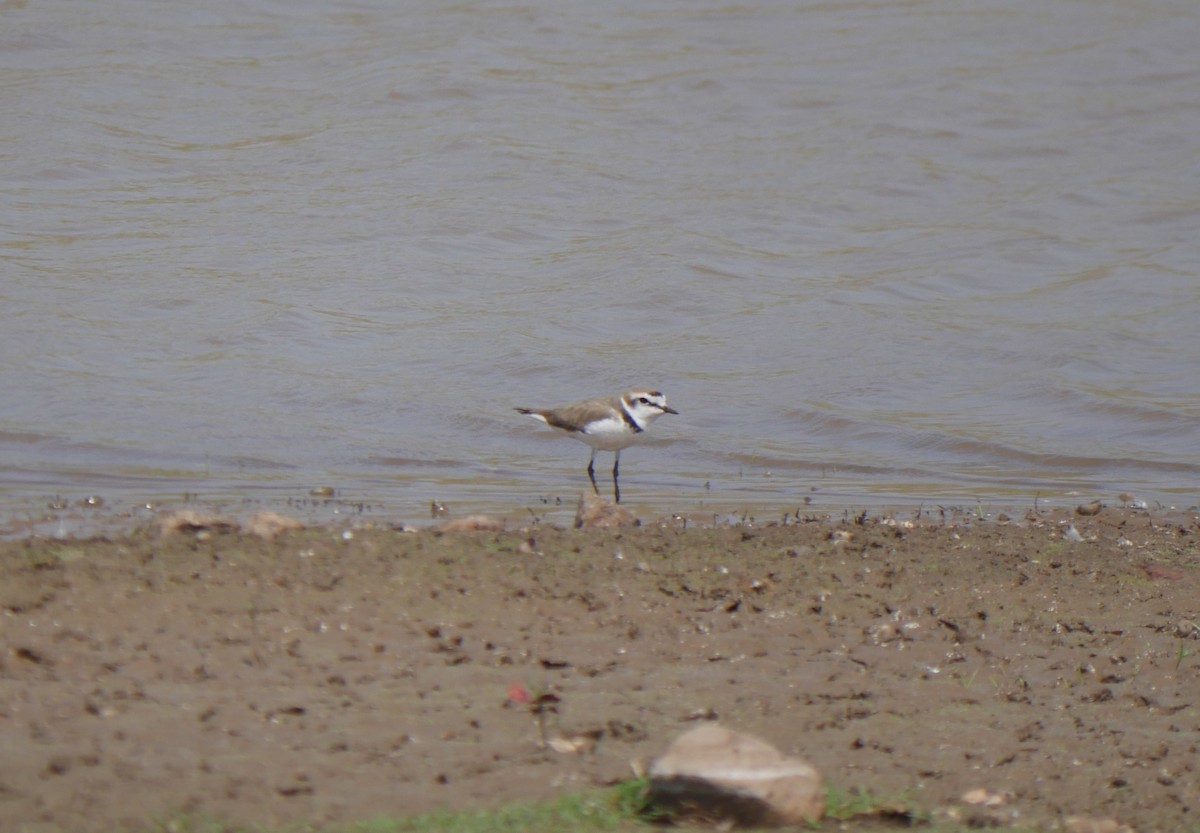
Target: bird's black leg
column 592, row 472
column 616, row 474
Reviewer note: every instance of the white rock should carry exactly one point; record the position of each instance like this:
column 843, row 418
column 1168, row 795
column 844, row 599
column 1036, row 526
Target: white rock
column 597, row 513
column 718, row 773
column 270, row 525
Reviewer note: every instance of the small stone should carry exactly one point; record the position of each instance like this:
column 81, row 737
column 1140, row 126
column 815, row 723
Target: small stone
column 1092, row 508
column 715, row 772
column 983, row 797
column 189, row 520
column 270, row 525
column 1086, row 824
column 1186, row 628
column 473, row 523
column 883, row 632
column 574, row 745
column 595, row 512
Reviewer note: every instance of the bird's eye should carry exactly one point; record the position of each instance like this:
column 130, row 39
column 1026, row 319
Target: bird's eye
column 643, row 400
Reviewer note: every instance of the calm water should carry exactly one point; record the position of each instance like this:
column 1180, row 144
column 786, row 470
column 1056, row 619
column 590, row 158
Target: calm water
column 930, row 251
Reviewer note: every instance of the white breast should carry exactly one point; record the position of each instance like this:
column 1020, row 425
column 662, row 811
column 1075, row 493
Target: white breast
column 610, row 434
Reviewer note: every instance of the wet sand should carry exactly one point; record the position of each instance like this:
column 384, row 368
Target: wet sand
column 332, row 675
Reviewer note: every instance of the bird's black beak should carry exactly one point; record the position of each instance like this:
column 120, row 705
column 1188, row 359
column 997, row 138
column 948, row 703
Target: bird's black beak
column 667, row 410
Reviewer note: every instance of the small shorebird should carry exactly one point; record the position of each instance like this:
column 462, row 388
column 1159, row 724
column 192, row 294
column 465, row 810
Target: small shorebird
column 606, row 424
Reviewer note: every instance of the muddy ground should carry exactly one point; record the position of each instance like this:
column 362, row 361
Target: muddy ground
column 330, row 675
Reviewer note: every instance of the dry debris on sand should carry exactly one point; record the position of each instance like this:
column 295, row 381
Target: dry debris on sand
column 1032, row 670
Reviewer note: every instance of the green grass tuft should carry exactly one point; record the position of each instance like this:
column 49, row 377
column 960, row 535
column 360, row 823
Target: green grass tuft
column 624, row 806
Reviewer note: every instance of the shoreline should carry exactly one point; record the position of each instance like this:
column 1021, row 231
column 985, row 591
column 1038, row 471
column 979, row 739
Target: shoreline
column 89, row 515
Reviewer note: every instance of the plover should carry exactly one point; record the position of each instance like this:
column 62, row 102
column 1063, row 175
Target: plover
column 606, row 424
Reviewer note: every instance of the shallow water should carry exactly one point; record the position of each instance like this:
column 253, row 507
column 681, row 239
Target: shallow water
column 910, row 251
